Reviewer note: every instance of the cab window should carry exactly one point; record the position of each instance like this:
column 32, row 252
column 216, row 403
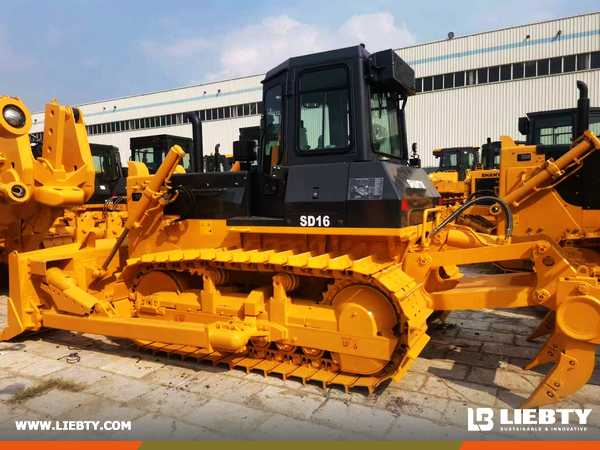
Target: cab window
column 102, row 164
column 273, row 142
column 153, row 157
column 496, row 160
column 386, row 135
column 554, row 131
column 324, row 110
column 468, row 159
column 595, row 124
column 449, row 160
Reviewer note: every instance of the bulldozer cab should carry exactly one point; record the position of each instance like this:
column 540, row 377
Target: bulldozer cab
column 319, row 109
column 333, row 150
column 107, row 165
column 555, row 129
column 490, row 155
column 457, row 159
column 250, row 134
column 151, row 150
column 217, row 163
column 107, row 162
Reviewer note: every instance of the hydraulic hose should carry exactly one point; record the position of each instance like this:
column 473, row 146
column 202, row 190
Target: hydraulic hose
column 189, row 198
column 481, row 192
column 480, row 200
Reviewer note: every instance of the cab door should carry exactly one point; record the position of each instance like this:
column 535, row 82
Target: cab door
column 272, row 145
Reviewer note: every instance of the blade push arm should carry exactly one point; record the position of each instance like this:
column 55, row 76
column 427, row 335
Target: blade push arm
column 151, row 194
column 551, row 170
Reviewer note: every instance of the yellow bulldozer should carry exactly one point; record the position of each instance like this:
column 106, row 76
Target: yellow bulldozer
column 462, row 173
column 452, row 179
column 322, row 257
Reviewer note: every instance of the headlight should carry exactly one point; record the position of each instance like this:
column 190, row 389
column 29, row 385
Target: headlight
column 14, row 116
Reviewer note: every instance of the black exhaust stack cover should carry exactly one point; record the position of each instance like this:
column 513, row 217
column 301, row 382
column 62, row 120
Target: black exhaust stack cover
column 583, row 109
column 197, row 156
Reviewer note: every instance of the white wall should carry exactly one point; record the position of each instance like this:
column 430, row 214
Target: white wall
column 193, row 98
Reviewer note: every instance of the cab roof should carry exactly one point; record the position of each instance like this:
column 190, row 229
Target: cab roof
column 438, row 151
column 357, row 51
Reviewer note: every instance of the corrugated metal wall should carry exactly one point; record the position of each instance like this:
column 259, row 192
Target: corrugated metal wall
column 213, row 95
column 468, row 116
column 578, row 35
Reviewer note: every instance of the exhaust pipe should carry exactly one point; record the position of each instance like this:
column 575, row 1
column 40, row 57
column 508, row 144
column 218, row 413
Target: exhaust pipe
column 217, row 162
column 197, row 156
column 583, row 109
column 489, row 163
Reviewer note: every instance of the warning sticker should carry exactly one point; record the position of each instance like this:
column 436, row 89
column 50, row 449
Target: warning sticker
column 365, row 189
column 205, row 227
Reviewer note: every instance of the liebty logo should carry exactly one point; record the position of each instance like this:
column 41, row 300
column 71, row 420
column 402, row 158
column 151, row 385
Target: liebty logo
column 481, row 419
column 483, row 415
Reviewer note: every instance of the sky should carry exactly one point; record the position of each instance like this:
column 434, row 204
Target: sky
column 82, row 51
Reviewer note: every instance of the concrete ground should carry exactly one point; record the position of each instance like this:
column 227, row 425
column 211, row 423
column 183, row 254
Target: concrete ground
column 474, row 360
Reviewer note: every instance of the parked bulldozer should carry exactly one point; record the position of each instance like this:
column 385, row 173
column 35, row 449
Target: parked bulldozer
column 462, row 173
column 549, row 136
column 483, row 180
column 323, row 261
column 562, row 205
column 452, row 180
column 151, row 150
column 109, row 173
column 35, row 191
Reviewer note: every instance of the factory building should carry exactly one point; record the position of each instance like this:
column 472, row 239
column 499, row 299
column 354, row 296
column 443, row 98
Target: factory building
column 469, row 88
